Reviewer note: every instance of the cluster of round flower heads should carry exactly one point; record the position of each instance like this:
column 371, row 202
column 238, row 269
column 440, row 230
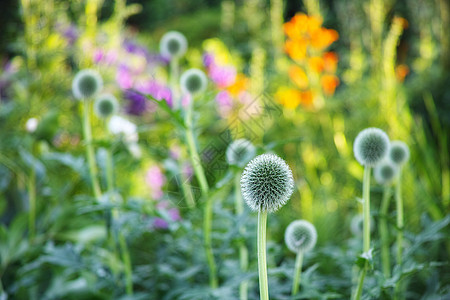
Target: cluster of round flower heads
column 398, row 153
column 105, row 106
column 385, row 172
column 193, row 81
column 87, row 83
column 371, row 146
column 173, row 44
column 240, row 152
column 300, row 235
column 267, row 183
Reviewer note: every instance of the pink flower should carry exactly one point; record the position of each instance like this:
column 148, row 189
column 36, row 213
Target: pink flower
column 123, row 78
column 223, row 76
column 160, row 223
column 174, row 214
column 155, row 179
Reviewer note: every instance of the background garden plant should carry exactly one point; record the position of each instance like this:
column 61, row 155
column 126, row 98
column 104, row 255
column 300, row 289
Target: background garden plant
column 386, row 66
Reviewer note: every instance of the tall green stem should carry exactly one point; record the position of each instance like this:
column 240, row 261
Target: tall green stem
column 32, row 202
column 399, row 207
column 243, row 251
column 174, row 62
column 297, row 272
column 366, row 229
column 115, row 215
column 262, row 262
column 208, row 209
column 90, row 149
column 384, row 232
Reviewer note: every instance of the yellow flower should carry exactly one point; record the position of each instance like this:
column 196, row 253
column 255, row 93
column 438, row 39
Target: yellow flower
column 289, row 98
column 298, row 76
column 329, row 83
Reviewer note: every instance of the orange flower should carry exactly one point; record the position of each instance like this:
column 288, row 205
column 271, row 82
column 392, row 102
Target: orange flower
column 298, row 76
column 402, row 21
column 296, row 27
column 239, row 85
column 323, row 38
column 329, row 83
column 401, row 71
column 330, row 60
column 307, row 98
column 289, row 98
column 316, row 64
column 296, row 49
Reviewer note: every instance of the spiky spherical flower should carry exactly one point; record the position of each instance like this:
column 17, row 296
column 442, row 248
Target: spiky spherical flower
column 173, row 44
column 106, row 105
column 86, row 83
column 371, row 146
column 267, row 183
column 240, row 152
column 385, row 172
column 300, row 235
column 356, row 224
column 398, row 152
column 193, row 81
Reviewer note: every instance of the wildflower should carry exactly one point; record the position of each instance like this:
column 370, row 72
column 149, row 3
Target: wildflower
column 31, row 125
column 173, row 45
column 290, row 98
column 329, row 83
column 330, row 60
column 300, row 235
column 316, row 64
column 121, row 126
column 137, row 103
column 298, row 76
column 193, row 81
column 371, row 146
column 399, row 152
column 155, row 180
column 240, row 152
column 86, row 83
column 401, row 71
column 385, row 172
column 267, row 183
column 106, row 105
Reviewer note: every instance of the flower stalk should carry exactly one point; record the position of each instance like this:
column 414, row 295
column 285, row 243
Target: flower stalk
column 262, row 261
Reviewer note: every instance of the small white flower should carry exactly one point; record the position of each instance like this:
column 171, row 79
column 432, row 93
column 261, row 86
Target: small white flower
column 121, row 126
column 31, row 125
column 135, row 150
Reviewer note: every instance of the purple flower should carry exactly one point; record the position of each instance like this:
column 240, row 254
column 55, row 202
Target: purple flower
column 155, row 179
column 123, row 78
column 137, row 103
column 156, row 90
column 160, row 223
column 174, row 214
column 208, row 60
column 223, row 76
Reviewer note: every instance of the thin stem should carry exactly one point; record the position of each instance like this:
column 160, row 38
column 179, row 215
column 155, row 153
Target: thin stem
column 32, row 202
column 399, row 207
column 262, row 263
column 187, row 192
column 243, row 251
column 174, row 62
column 115, row 215
column 127, row 263
column 297, row 272
column 384, row 232
column 207, row 211
column 366, row 229
column 90, row 149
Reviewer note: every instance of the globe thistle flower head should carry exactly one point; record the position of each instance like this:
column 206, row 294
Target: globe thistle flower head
column 398, row 153
column 385, row 172
column 267, row 183
column 106, row 105
column 240, row 152
column 193, row 81
column 371, row 146
column 86, row 83
column 300, row 235
column 173, row 44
